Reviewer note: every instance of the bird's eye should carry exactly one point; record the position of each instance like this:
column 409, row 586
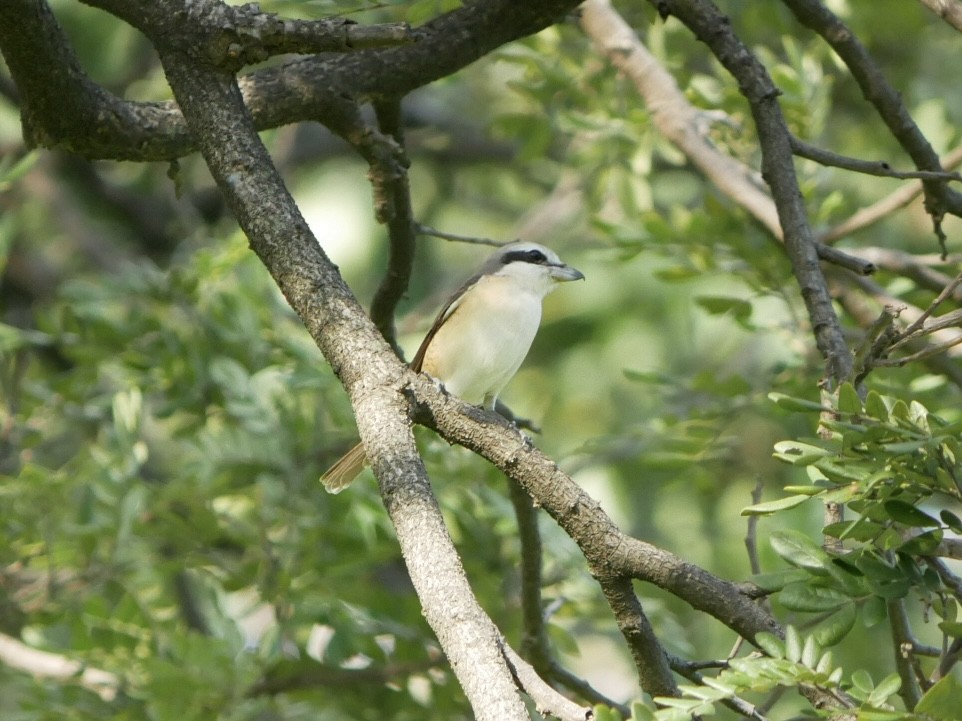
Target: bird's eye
column 536, row 256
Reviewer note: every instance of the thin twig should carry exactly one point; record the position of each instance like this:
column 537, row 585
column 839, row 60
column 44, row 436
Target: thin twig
column 939, row 198
column 940, row 298
column 751, row 533
column 901, row 637
column 651, row 661
column 534, row 637
column 690, row 671
column 422, row 229
column 920, row 355
column 547, row 700
column 392, row 194
column 866, row 314
column 879, row 210
column 535, row 645
column 877, row 341
column 868, row 167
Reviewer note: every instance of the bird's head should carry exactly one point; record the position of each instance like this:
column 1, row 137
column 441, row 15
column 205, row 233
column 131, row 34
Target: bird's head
column 533, row 265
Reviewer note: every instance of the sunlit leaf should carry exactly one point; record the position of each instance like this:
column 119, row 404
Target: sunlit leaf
column 833, row 629
column 770, row 507
column 799, row 550
column 942, row 700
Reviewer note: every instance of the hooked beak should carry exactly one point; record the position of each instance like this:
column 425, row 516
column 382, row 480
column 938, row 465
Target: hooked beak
column 563, row 273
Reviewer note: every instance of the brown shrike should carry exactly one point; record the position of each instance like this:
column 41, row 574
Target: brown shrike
column 481, row 335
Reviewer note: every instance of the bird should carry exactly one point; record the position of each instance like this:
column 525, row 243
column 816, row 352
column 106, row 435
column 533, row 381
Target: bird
column 481, row 335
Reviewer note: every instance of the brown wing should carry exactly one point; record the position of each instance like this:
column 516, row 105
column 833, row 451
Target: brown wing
column 449, row 308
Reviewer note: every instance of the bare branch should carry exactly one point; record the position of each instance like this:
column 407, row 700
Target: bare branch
column 898, row 199
column 63, row 108
column 235, row 36
column 608, row 550
column 860, row 266
column 939, row 198
column 949, row 548
column 713, row 28
column 684, row 124
column 227, row 137
column 548, row 702
column 676, row 118
column 392, row 193
column 868, row 167
column 654, row 673
column 751, row 532
column 901, row 638
column 948, row 10
column 43, row 664
column 444, row 235
column 534, row 639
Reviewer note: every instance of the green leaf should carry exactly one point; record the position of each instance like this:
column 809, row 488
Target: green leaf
column 799, row 550
column 942, row 700
column 862, row 681
column 877, row 569
column 874, row 714
column 810, row 652
column 875, row 406
column 951, row 520
column 925, row 544
column 791, row 403
column 951, row 628
column 908, row 514
column 770, row 644
column 605, row 713
column 798, row 453
column 885, row 688
column 874, row 612
column 770, row 507
column 720, row 305
column 808, row 598
column 640, row 712
column 859, row 529
column 809, row 491
column 848, row 400
column 836, row 627
column 793, row 644
column 777, row 580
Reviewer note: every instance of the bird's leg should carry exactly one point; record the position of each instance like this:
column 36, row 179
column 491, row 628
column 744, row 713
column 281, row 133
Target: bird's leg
column 437, row 384
column 523, row 423
column 492, row 403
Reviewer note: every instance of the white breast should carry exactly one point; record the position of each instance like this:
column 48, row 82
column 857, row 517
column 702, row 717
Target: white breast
column 482, row 344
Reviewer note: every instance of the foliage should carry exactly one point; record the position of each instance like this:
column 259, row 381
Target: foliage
column 164, row 416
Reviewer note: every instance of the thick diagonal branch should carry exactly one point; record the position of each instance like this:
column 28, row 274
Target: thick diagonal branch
column 63, row 108
column 778, row 170
column 939, row 198
column 684, row 124
column 227, row 138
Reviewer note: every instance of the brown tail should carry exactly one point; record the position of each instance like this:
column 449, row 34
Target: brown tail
column 342, row 474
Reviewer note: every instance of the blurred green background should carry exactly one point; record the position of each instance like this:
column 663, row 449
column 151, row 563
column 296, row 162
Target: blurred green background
column 164, row 417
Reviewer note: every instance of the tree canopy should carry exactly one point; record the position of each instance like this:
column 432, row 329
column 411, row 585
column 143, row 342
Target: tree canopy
column 223, row 229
